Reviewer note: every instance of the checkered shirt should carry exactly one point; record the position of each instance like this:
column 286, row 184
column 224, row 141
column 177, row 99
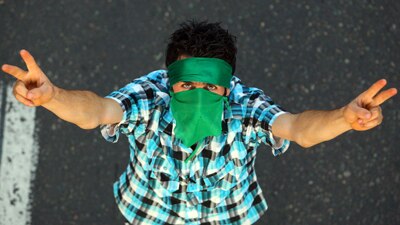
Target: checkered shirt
column 219, row 185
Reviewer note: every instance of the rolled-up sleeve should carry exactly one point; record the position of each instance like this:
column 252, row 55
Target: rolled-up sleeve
column 127, row 98
column 268, row 117
column 263, row 112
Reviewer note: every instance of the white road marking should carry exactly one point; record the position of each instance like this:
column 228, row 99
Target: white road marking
column 18, row 161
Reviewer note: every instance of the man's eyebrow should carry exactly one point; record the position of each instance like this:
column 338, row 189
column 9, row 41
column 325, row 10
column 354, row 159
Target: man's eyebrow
column 191, row 82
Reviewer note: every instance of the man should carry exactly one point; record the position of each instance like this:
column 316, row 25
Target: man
column 194, row 129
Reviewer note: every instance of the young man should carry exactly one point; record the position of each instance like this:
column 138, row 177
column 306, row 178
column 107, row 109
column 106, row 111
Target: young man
column 194, row 129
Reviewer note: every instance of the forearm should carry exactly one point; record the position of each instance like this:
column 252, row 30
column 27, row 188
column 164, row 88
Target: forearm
column 315, row 126
column 78, row 107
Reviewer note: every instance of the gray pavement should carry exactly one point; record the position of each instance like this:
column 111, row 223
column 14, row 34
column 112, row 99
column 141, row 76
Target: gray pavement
column 304, row 54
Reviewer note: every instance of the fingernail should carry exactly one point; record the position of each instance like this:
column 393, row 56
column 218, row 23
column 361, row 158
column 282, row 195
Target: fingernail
column 29, row 96
column 368, row 115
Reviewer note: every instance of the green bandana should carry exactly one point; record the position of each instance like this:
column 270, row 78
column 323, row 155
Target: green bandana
column 206, row 70
column 198, row 112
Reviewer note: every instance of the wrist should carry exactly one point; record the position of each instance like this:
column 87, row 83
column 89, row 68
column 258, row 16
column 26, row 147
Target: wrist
column 346, row 124
column 54, row 94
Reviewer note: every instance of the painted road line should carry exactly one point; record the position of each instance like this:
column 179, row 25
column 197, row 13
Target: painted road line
column 18, row 161
column 3, row 91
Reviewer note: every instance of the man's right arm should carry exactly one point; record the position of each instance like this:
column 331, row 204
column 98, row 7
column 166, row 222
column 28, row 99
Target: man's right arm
column 83, row 108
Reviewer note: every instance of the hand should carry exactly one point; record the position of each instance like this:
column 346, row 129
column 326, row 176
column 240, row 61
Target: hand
column 32, row 87
column 364, row 112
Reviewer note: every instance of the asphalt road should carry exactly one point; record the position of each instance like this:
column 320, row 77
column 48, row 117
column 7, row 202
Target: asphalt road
column 304, row 54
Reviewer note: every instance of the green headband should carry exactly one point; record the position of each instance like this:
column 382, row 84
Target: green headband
column 206, row 70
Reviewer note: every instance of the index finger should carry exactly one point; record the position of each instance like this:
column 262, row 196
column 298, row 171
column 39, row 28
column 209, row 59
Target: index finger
column 29, row 60
column 374, row 89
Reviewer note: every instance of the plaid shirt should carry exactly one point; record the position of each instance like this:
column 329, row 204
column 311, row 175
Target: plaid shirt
column 219, row 186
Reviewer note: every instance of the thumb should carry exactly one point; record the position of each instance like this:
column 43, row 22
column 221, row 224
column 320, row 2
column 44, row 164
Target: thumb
column 35, row 93
column 362, row 112
column 41, row 94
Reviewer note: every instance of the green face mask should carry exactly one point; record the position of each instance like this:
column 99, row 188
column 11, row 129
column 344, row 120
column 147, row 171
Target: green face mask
column 198, row 114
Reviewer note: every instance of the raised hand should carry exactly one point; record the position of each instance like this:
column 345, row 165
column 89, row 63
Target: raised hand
column 32, row 87
column 364, row 112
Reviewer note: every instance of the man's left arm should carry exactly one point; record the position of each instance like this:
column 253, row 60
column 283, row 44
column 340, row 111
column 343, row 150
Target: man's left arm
column 315, row 126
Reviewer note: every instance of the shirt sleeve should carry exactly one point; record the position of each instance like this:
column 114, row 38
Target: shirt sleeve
column 134, row 100
column 263, row 112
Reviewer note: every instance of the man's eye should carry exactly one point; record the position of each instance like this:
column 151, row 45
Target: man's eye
column 186, row 86
column 211, row 87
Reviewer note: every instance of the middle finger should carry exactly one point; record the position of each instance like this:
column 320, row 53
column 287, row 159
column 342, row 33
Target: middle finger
column 383, row 96
column 14, row 71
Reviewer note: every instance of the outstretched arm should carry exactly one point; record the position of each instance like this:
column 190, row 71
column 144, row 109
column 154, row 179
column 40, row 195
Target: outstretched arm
column 83, row 108
column 312, row 127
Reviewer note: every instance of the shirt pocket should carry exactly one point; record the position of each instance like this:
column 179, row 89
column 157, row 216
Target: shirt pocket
column 163, row 178
column 212, row 179
column 229, row 168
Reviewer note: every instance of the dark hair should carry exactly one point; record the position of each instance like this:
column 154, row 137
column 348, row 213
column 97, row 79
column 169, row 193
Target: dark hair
column 202, row 39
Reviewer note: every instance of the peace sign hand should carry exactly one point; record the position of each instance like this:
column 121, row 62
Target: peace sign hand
column 32, row 87
column 364, row 112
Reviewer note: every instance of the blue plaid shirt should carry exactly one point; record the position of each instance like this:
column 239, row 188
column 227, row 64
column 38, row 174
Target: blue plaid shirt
column 219, row 186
